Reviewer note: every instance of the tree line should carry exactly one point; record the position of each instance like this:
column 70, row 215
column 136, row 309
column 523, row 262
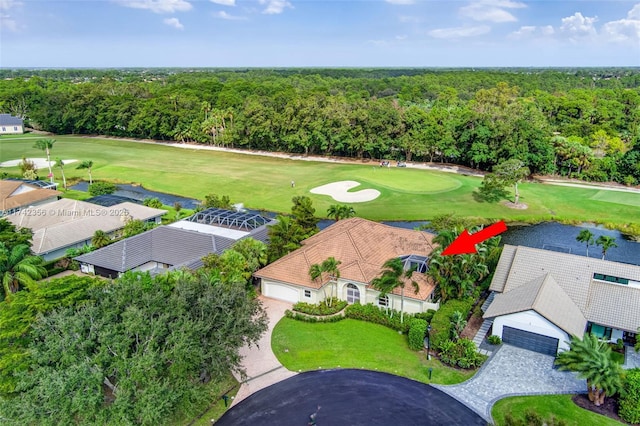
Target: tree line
column 581, row 123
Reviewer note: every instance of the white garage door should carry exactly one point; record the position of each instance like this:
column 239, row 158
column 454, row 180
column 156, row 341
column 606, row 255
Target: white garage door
column 281, row 292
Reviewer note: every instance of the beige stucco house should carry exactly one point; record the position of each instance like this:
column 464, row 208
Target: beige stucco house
column 544, row 297
column 11, row 125
column 362, row 247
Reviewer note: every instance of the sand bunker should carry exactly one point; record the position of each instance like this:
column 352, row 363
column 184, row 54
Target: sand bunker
column 339, row 192
column 41, row 163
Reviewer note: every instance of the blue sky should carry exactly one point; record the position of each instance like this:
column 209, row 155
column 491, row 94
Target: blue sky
column 303, row 33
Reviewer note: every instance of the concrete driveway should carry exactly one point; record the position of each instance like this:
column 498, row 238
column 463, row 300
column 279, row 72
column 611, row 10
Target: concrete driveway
column 261, row 365
column 513, row 371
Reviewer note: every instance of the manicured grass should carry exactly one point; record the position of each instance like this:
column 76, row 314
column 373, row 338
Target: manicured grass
column 302, row 346
column 560, row 406
column 616, row 197
column 264, row 182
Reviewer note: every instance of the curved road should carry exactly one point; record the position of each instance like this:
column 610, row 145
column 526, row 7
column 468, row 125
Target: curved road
column 350, row 397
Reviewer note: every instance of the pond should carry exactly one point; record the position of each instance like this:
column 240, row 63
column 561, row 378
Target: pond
column 139, row 193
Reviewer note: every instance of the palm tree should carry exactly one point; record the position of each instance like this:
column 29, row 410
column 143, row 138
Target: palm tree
column 329, row 266
column 60, row 163
column 585, row 236
column 46, row 145
column 87, row 164
column 18, row 268
column 100, row 239
column 592, row 359
column 394, row 275
column 606, row 242
column 284, row 237
column 340, row 211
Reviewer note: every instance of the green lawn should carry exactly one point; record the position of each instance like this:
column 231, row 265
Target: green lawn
column 264, row 182
column 559, row 406
column 302, row 346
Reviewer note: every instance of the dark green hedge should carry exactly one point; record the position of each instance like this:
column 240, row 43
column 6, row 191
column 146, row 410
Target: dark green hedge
column 377, row 315
column 321, row 308
column 308, row 318
column 462, row 353
column 417, row 331
column 630, row 397
column 441, row 322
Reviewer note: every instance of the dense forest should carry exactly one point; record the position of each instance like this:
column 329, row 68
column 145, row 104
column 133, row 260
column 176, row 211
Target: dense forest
column 581, row 123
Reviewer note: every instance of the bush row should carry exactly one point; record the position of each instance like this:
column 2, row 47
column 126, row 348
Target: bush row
column 417, row 331
column 630, row 397
column 308, row 318
column 377, row 315
column 462, row 353
column 321, row 308
column 441, row 322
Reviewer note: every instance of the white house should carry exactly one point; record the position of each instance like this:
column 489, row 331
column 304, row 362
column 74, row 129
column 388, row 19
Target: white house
column 362, row 247
column 10, row 125
column 545, row 297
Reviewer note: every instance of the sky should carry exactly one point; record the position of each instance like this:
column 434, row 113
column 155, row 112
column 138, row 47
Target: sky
column 318, row 33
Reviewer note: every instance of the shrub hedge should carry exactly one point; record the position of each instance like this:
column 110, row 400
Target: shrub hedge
column 310, row 318
column 441, row 322
column 629, row 408
column 321, row 308
column 462, row 353
column 102, row 188
column 377, row 315
column 417, row 331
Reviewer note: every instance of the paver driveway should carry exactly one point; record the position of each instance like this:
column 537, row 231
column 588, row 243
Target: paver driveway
column 261, row 365
column 513, row 371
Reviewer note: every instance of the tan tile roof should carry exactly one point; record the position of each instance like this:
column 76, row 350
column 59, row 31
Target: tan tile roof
column 65, row 222
column 35, row 194
column 362, row 246
column 598, row 302
column 547, row 298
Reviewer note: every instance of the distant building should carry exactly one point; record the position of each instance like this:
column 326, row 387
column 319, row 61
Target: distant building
column 66, row 223
column 16, row 194
column 10, row 125
column 182, row 244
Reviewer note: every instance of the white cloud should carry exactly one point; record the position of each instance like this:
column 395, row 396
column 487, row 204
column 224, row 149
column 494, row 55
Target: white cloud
column 8, row 4
column 224, row 15
column 624, row 30
column 460, row 32
column 491, row 10
column 528, row 31
column 157, row 6
column 174, row 22
column 401, row 2
column 409, row 19
column 578, row 25
column 6, row 23
column 224, row 2
column 275, row 7
column 401, row 37
column 547, row 30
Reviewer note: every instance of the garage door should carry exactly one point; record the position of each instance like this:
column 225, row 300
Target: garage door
column 532, row 341
column 281, row 292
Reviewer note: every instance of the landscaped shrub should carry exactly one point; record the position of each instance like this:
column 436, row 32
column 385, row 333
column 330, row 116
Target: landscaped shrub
column 427, row 316
column 310, row 318
column 441, row 322
column 494, row 339
column 376, row 315
column 417, row 331
column 152, row 202
column 531, row 418
column 629, row 408
column 462, row 353
column 321, row 308
column 102, row 188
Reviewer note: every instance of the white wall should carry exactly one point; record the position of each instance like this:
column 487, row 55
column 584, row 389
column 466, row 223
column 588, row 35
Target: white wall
column 533, row 322
column 11, row 129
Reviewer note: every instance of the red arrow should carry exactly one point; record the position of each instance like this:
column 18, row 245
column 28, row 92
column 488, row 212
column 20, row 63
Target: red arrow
column 466, row 243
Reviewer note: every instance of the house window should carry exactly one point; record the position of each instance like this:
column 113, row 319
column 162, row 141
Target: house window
column 307, row 293
column 4, row 129
column 15, row 128
column 383, row 301
column 353, row 294
column 611, row 279
column 600, row 331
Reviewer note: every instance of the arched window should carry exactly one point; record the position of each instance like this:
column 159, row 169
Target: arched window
column 353, row 294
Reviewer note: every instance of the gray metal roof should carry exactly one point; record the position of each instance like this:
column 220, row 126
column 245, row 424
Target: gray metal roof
column 165, row 244
column 610, row 304
column 230, row 219
column 10, row 120
column 39, row 183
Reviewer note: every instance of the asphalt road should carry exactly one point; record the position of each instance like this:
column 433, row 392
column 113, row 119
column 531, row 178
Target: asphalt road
column 349, row 397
